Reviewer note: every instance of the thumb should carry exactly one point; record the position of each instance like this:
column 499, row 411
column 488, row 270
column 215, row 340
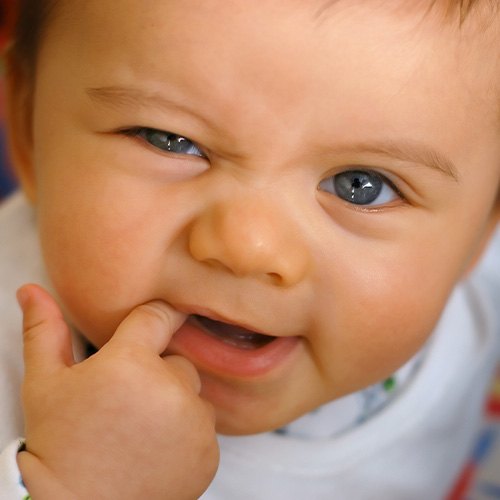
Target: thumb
column 47, row 342
column 149, row 325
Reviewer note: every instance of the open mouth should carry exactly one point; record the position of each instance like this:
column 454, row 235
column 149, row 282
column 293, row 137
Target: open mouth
column 233, row 335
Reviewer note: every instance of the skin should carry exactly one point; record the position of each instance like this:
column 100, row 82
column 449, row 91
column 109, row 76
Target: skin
column 243, row 233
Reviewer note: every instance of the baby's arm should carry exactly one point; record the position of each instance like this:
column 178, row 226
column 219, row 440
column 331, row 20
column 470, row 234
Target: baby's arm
column 123, row 424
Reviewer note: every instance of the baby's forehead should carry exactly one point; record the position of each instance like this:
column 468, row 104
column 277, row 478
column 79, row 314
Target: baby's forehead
column 449, row 10
column 453, row 9
column 460, row 14
column 458, row 11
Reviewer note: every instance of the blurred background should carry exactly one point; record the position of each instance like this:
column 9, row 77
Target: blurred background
column 7, row 181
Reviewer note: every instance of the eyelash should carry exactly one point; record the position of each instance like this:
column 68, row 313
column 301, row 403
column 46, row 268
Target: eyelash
column 168, row 142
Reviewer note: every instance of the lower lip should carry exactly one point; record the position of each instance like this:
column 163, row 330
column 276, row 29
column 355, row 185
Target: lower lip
column 220, row 358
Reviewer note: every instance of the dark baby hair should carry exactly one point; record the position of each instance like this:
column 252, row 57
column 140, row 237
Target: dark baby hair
column 32, row 17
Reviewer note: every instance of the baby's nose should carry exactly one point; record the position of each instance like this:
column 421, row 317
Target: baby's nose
column 250, row 236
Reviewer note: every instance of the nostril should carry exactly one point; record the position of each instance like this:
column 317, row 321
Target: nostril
column 216, row 264
column 275, row 278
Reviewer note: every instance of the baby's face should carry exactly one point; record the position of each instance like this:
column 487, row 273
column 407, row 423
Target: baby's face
column 307, row 185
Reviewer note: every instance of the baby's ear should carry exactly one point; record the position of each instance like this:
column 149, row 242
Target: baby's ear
column 19, row 89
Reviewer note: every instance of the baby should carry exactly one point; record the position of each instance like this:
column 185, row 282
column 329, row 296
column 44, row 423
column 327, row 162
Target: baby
column 264, row 216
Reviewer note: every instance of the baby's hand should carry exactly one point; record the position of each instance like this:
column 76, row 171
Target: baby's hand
column 123, row 424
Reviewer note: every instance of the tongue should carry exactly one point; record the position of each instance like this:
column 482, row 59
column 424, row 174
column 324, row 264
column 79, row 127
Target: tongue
column 233, row 335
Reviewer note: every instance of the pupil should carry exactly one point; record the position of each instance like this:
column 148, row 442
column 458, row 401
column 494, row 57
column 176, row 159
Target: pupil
column 168, row 142
column 358, row 187
column 356, row 184
column 179, row 144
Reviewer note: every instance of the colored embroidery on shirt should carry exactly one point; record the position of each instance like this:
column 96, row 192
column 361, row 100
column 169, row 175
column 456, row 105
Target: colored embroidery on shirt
column 390, row 384
column 346, row 413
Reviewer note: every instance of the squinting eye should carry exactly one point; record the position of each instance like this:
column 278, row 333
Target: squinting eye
column 166, row 141
column 360, row 188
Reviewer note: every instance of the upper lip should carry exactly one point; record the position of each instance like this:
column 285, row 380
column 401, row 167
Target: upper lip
column 209, row 313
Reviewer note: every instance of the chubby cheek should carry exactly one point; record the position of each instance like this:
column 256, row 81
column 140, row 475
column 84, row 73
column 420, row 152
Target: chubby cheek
column 379, row 316
column 99, row 260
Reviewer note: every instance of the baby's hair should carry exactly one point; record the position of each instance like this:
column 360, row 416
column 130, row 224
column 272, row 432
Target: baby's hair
column 32, row 19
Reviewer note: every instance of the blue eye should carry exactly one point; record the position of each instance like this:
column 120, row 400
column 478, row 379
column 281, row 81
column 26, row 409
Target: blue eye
column 166, row 141
column 360, row 187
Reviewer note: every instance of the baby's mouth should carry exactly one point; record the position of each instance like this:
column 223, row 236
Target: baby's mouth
column 233, row 335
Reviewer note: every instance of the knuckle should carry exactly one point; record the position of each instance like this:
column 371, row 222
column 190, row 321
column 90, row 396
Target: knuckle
column 154, row 315
column 185, row 371
column 31, row 328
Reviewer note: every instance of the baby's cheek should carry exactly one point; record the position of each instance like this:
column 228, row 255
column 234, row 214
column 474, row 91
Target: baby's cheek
column 400, row 323
column 84, row 289
column 96, row 319
column 384, row 323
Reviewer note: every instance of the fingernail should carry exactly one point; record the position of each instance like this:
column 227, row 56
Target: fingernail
column 22, row 296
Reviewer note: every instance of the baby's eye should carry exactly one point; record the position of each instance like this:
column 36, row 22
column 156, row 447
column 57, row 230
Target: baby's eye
column 361, row 187
column 166, row 141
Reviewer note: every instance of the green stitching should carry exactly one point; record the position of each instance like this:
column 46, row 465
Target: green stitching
column 389, row 384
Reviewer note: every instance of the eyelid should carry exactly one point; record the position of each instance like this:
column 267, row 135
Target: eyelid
column 137, row 130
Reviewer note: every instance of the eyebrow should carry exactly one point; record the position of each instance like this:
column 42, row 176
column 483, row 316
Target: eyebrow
column 407, row 151
column 122, row 97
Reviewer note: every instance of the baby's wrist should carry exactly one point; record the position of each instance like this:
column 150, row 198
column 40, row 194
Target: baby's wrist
column 11, row 484
column 39, row 480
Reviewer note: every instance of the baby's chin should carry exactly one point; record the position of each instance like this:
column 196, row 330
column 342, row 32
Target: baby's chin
column 242, row 421
column 226, row 427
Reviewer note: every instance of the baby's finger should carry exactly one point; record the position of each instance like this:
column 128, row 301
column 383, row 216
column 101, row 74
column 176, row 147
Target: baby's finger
column 149, row 325
column 185, row 370
column 47, row 342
